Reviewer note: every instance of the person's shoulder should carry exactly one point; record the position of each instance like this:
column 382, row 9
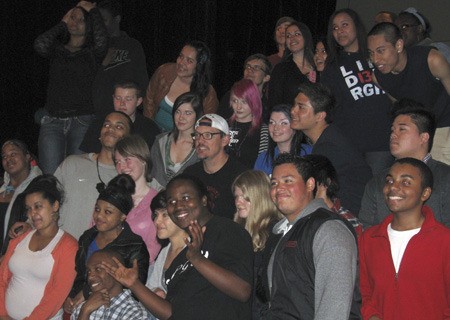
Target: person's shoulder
column 438, row 167
column 142, row 123
column 224, row 226
column 196, row 168
column 68, row 243
column 234, row 165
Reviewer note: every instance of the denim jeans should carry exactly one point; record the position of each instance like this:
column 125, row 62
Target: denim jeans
column 60, row 137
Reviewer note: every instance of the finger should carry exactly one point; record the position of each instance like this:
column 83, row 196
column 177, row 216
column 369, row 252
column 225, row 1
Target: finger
column 119, row 265
column 135, row 264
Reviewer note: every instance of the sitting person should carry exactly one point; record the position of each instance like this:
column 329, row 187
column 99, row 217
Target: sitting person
column 404, row 260
column 38, row 269
column 109, row 299
column 327, row 186
column 16, row 161
column 173, row 151
column 111, row 231
column 249, row 135
column 282, row 139
column 167, row 230
column 257, row 214
column 212, row 276
column 132, row 157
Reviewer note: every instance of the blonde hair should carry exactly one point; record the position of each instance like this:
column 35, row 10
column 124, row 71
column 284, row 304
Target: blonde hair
column 255, row 186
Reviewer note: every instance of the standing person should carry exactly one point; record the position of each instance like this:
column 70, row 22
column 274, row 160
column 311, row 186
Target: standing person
column 110, row 231
column 174, row 151
column 73, row 65
column 191, row 72
column 258, row 69
column 415, row 30
column 312, row 272
column 124, row 61
column 132, row 157
column 283, row 139
column 297, row 68
column 16, row 161
column 249, row 136
column 397, row 70
column 127, row 97
column 362, row 110
column 320, row 54
column 211, row 278
column 38, row 269
column 256, row 212
column 217, row 170
column 280, row 39
column 404, row 260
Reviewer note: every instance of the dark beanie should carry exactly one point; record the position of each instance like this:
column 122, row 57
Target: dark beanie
column 119, row 192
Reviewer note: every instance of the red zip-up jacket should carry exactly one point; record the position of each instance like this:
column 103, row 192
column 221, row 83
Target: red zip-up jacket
column 421, row 288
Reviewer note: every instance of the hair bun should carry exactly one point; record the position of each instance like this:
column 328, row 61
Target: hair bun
column 123, row 181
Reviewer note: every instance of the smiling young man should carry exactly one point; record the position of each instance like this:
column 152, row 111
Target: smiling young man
column 108, row 299
column 82, row 176
column 412, row 134
column 312, row 271
column 420, row 73
column 404, row 265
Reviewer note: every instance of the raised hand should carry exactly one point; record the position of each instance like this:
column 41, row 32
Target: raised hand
column 86, row 5
column 126, row 276
column 195, row 246
column 66, row 17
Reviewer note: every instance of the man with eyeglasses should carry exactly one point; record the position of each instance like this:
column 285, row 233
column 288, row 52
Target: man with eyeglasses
column 420, row 73
column 217, row 170
column 257, row 68
column 127, row 97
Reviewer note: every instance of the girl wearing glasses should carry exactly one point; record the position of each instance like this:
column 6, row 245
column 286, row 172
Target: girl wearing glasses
column 174, row 151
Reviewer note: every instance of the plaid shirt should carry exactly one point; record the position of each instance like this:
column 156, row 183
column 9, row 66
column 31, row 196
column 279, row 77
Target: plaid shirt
column 347, row 215
column 121, row 307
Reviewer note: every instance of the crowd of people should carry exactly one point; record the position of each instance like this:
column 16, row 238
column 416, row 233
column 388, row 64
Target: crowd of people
column 317, row 188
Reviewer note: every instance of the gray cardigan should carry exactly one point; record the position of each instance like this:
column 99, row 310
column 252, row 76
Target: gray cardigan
column 158, row 156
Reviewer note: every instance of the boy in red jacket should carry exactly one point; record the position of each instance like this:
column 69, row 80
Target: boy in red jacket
column 405, row 260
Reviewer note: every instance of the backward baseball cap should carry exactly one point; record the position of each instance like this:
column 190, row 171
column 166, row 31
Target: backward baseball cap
column 216, row 122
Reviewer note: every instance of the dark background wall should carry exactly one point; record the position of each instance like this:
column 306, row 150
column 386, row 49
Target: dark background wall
column 232, row 29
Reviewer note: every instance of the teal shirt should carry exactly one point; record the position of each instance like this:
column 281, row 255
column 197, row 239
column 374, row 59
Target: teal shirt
column 164, row 116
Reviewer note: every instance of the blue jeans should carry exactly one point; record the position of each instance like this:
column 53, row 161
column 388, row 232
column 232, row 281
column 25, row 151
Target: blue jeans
column 60, row 137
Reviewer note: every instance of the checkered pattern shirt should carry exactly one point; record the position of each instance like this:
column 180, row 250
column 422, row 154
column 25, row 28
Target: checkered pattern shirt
column 122, row 307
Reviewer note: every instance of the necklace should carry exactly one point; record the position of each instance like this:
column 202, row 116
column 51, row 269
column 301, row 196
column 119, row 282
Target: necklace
column 101, row 185
column 8, row 189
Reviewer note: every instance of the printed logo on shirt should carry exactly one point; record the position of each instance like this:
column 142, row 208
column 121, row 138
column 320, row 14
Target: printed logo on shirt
column 360, row 81
column 291, row 244
column 185, row 266
column 115, row 57
column 233, row 137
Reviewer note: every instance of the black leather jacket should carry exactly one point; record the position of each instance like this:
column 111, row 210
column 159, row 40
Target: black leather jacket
column 128, row 244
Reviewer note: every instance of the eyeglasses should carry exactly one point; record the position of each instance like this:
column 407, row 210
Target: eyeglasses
column 254, row 67
column 204, row 135
column 407, row 26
